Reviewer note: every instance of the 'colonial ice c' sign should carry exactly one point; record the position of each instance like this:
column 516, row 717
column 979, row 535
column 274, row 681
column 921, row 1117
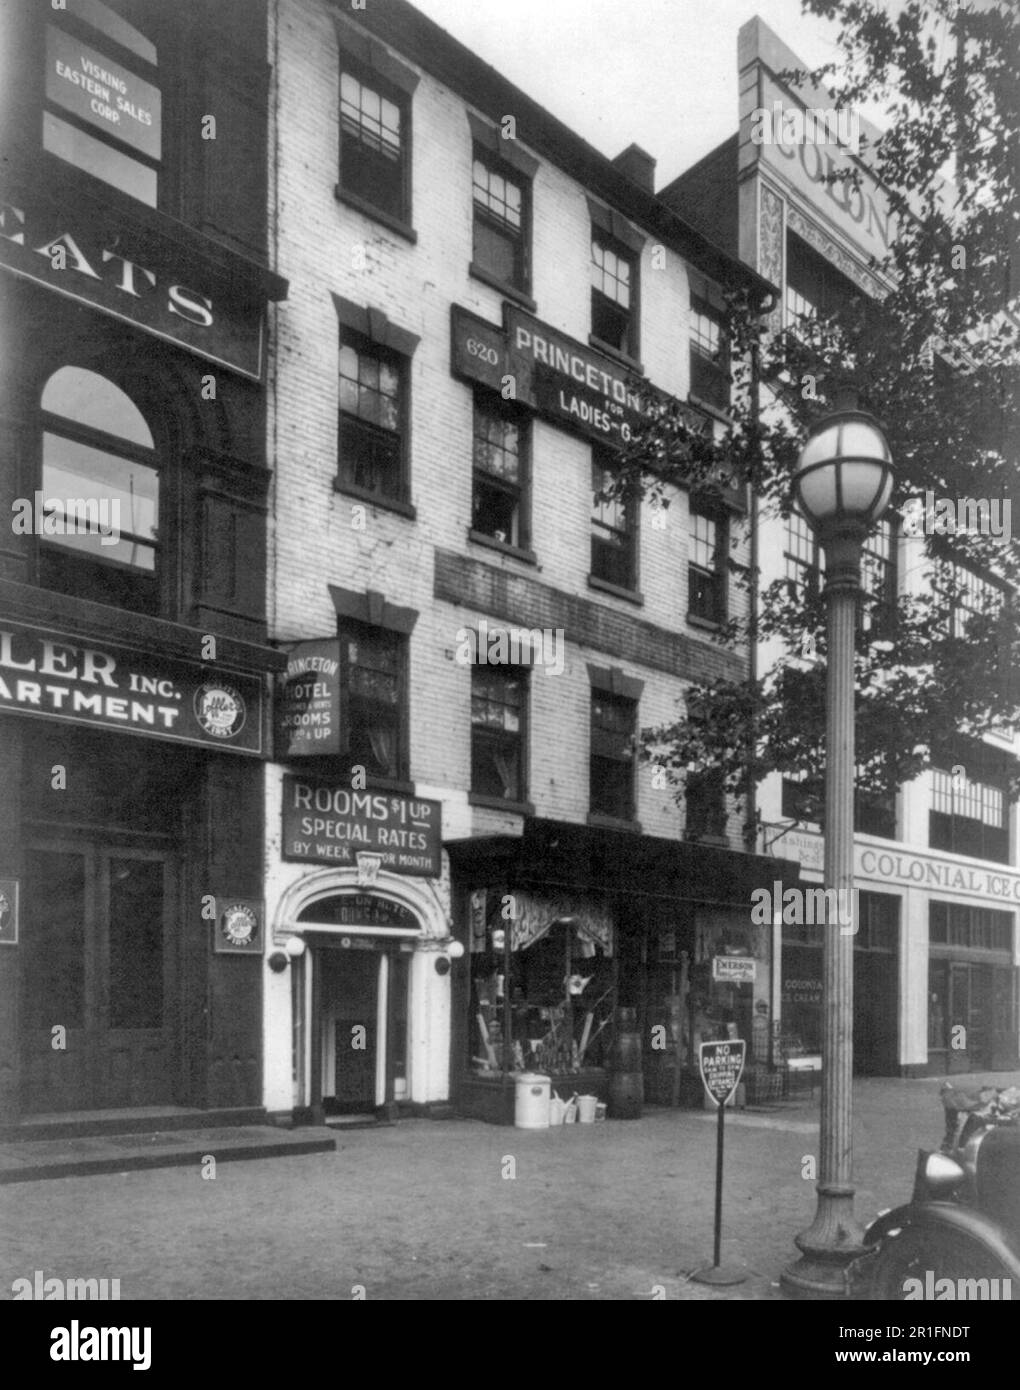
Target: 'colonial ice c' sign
column 86, row 254
column 308, row 706
column 52, row 676
column 332, row 823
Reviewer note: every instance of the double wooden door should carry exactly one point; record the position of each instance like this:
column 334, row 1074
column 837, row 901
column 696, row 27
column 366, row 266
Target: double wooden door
column 98, row 1014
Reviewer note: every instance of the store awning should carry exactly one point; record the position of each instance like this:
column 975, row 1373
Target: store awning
column 583, row 857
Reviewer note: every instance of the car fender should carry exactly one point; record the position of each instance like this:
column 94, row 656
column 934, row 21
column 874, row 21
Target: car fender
column 948, row 1217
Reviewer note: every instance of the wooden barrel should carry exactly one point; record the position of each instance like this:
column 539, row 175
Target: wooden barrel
column 626, row 1083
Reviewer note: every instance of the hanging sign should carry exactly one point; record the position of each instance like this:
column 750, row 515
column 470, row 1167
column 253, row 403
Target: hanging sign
column 722, row 1065
column 308, row 707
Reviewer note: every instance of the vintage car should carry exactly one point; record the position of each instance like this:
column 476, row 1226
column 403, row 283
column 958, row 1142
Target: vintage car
column 959, row 1237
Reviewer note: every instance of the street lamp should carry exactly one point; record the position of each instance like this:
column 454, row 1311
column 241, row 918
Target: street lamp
column 842, row 485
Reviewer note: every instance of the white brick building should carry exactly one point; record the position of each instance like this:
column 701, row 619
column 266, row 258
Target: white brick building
column 440, row 233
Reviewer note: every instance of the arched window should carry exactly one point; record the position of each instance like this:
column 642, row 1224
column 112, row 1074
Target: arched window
column 99, row 529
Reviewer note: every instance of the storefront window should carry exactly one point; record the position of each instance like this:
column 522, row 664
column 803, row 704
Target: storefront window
column 542, row 984
column 100, row 532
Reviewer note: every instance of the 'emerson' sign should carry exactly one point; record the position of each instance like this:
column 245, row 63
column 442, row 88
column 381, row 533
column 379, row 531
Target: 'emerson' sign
column 51, row 676
column 96, row 262
column 330, row 822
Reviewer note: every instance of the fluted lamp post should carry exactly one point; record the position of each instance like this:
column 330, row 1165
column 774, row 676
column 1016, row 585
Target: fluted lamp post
column 842, row 486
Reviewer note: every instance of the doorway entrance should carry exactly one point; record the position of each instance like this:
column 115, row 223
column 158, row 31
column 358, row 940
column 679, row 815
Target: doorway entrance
column 98, row 983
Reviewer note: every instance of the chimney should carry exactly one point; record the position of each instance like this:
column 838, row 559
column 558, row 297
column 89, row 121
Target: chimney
column 638, row 166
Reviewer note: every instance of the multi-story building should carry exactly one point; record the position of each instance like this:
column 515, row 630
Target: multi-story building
column 467, row 866
column 936, row 951
column 133, row 485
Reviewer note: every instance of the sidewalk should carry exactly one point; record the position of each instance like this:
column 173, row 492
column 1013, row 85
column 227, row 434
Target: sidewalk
column 459, row 1210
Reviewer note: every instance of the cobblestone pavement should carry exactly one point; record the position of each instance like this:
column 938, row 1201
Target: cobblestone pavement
column 462, row 1210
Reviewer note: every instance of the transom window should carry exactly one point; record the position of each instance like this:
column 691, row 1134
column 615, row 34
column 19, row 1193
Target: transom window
column 976, row 928
column 613, row 529
column 612, row 276
column 813, row 285
column 100, row 493
column 372, row 419
column 373, row 146
column 965, row 595
column 499, row 473
column 500, row 216
column 498, row 710
column 612, row 761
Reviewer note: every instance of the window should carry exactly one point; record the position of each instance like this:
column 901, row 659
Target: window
column 500, row 222
column 374, row 145
column 878, row 573
column 813, row 285
column 498, row 508
column 705, row 804
column 968, row 817
column 710, row 372
column 975, row 928
column 498, row 712
column 804, row 800
column 103, row 107
column 101, row 491
column 965, row 595
column 613, row 530
column 706, row 570
column 803, row 558
column 375, row 699
column 613, row 296
column 372, row 414
column 611, row 765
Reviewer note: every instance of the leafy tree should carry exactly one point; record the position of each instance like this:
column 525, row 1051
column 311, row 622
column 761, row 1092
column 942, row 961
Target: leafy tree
column 936, row 361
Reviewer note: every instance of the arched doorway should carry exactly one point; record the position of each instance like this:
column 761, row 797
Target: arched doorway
column 353, row 1003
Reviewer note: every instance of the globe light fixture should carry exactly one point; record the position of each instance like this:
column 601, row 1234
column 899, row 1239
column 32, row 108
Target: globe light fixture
column 842, row 485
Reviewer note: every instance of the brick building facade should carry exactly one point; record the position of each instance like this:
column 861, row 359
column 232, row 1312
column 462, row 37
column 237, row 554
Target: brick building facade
column 473, row 291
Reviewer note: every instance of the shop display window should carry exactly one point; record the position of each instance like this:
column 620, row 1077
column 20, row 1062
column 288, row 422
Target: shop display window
column 543, row 984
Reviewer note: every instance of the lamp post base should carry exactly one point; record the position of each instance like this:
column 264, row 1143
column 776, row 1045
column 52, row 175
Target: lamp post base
column 722, row 1276
column 830, row 1245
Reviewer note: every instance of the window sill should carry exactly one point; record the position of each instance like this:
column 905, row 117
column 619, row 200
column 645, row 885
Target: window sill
column 373, row 499
column 718, row 841
column 624, row 358
column 353, row 200
column 705, row 624
column 605, row 587
column 519, row 296
column 496, row 803
column 513, row 552
column 596, row 818
column 700, row 403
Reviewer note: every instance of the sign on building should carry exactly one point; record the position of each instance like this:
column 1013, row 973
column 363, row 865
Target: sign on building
column 308, row 707
column 330, row 823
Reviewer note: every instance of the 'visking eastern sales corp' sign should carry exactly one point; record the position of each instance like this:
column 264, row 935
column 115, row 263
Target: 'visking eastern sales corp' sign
column 55, row 677
column 333, row 823
column 102, row 92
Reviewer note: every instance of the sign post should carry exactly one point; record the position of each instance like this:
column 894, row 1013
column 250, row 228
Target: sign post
column 722, row 1065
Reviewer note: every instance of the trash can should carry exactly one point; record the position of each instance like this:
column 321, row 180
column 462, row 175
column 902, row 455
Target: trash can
column 531, row 1101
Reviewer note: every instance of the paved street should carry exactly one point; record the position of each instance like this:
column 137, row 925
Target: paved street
column 423, row 1211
